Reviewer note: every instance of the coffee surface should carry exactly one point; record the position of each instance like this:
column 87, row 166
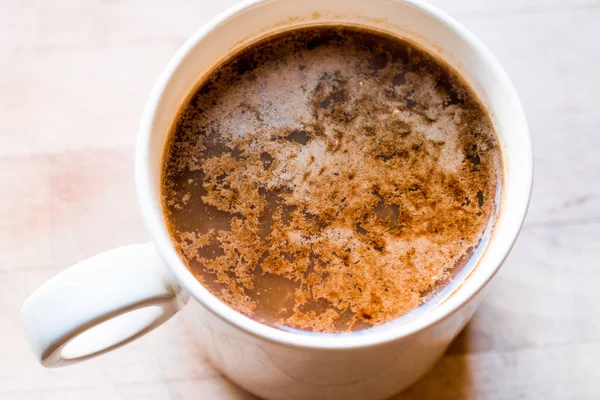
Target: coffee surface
column 329, row 179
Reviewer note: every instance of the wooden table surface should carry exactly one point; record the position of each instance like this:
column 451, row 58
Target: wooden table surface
column 74, row 77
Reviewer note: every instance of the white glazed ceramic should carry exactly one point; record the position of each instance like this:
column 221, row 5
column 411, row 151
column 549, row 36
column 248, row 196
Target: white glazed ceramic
column 126, row 292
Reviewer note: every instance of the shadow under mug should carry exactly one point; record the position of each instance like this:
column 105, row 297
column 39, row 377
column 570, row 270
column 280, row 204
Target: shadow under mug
column 114, row 297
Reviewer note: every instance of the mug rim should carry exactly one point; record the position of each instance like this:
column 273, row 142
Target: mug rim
column 155, row 223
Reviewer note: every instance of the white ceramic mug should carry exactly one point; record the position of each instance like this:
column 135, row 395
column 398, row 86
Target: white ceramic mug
column 112, row 298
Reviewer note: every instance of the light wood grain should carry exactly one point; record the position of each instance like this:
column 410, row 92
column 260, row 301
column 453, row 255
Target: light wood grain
column 73, row 80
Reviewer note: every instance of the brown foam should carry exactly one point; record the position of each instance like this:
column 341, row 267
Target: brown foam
column 329, row 179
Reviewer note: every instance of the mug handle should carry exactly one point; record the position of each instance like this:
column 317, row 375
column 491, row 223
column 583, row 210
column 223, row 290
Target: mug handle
column 100, row 304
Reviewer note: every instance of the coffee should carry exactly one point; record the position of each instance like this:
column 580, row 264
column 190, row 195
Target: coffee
column 330, row 179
